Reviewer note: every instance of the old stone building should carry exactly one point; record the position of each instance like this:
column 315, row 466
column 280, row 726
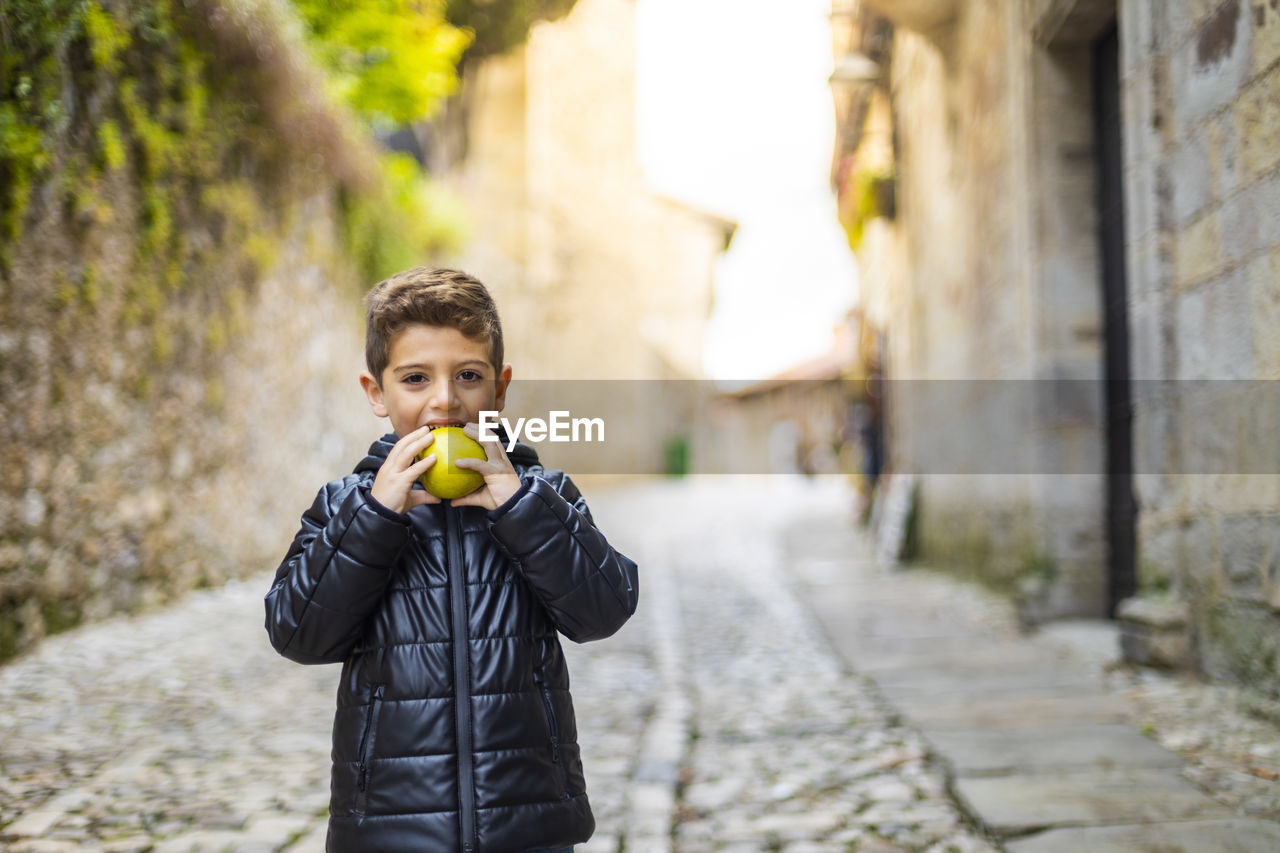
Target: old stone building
column 1067, row 215
column 605, row 286
column 600, row 277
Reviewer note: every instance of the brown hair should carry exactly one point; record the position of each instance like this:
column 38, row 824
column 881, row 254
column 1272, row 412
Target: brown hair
column 434, row 297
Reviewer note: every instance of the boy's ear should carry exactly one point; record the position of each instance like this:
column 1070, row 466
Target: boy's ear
column 500, row 387
column 373, row 391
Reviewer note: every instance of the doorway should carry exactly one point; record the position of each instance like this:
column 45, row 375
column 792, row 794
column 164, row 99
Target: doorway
column 1120, row 506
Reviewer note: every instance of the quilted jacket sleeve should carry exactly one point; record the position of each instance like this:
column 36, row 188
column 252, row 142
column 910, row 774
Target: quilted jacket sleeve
column 333, row 575
column 589, row 588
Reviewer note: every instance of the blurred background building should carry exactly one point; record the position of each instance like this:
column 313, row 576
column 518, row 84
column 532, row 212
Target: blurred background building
column 603, row 277
column 1079, row 198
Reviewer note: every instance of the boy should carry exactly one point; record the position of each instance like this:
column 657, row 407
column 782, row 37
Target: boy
column 454, row 729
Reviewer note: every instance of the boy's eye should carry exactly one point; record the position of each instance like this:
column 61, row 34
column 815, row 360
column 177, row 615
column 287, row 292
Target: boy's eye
column 469, row 376
column 415, row 378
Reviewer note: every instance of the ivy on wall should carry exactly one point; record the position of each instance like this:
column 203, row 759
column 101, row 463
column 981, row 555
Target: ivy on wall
column 91, row 87
column 153, row 156
column 496, row 26
column 863, row 194
column 391, row 61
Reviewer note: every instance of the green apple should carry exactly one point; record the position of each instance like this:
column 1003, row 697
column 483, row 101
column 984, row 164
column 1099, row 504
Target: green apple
column 445, row 479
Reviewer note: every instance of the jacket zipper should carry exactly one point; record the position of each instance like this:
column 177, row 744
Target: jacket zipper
column 461, row 676
column 553, row 728
column 366, row 745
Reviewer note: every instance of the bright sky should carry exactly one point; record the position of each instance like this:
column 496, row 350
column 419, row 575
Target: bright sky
column 735, row 116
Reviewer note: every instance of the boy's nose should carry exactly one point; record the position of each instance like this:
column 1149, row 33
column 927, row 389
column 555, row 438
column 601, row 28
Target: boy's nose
column 442, row 397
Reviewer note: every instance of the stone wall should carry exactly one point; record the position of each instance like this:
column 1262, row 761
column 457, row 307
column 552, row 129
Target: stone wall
column 172, row 405
column 992, row 269
column 980, row 289
column 1201, row 89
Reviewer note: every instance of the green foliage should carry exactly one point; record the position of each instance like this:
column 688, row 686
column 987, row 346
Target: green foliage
column 33, row 47
column 1154, row 579
column 106, row 38
column 96, row 92
column 11, row 628
column 59, row 615
column 1041, row 567
column 89, row 292
column 499, row 25
column 22, row 155
column 112, row 145
column 392, row 61
column 77, row 58
column 410, row 219
column 863, row 195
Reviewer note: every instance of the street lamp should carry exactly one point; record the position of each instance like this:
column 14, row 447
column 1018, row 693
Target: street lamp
column 854, row 69
column 851, row 81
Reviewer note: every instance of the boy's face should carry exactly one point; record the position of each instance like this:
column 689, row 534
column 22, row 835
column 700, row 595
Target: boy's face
column 435, row 376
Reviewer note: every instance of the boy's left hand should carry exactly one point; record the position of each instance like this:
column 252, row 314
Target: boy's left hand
column 500, row 478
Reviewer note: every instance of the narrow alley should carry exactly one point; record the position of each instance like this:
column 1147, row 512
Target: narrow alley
column 183, row 730
column 722, row 717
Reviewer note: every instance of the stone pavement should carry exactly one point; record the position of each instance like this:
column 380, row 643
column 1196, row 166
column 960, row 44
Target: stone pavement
column 783, row 749
column 1050, row 744
column 717, row 719
column 720, row 718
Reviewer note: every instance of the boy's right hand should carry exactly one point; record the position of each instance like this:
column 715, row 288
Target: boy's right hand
column 393, row 487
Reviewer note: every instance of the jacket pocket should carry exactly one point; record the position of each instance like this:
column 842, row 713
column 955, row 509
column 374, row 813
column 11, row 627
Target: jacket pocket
column 553, row 731
column 367, row 739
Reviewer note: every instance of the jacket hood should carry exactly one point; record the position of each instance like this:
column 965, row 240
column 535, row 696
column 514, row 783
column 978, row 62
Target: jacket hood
column 521, row 454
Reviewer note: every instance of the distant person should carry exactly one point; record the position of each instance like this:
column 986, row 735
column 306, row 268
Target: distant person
column 870, row 432
column 864, row 425
column 454, row 729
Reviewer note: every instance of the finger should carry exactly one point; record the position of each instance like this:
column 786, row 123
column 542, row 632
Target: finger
column 423, row 437
column 410, row 437
column 491, row 448
column 482, row 466
column 410, row 445
column 495, row 462
column 472, row 429
column 422, row 466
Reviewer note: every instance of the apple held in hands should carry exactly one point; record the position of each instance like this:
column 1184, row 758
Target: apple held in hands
column 445, row 479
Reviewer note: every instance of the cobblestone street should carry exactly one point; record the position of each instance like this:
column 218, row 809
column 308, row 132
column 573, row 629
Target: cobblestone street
column 787, row 750
column 717, row 719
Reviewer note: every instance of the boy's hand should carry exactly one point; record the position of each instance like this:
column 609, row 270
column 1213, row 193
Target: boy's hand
column 500, row 478
column 393, row 487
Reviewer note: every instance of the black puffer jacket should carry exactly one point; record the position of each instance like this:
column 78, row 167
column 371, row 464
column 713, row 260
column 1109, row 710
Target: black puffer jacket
column 454, row 730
